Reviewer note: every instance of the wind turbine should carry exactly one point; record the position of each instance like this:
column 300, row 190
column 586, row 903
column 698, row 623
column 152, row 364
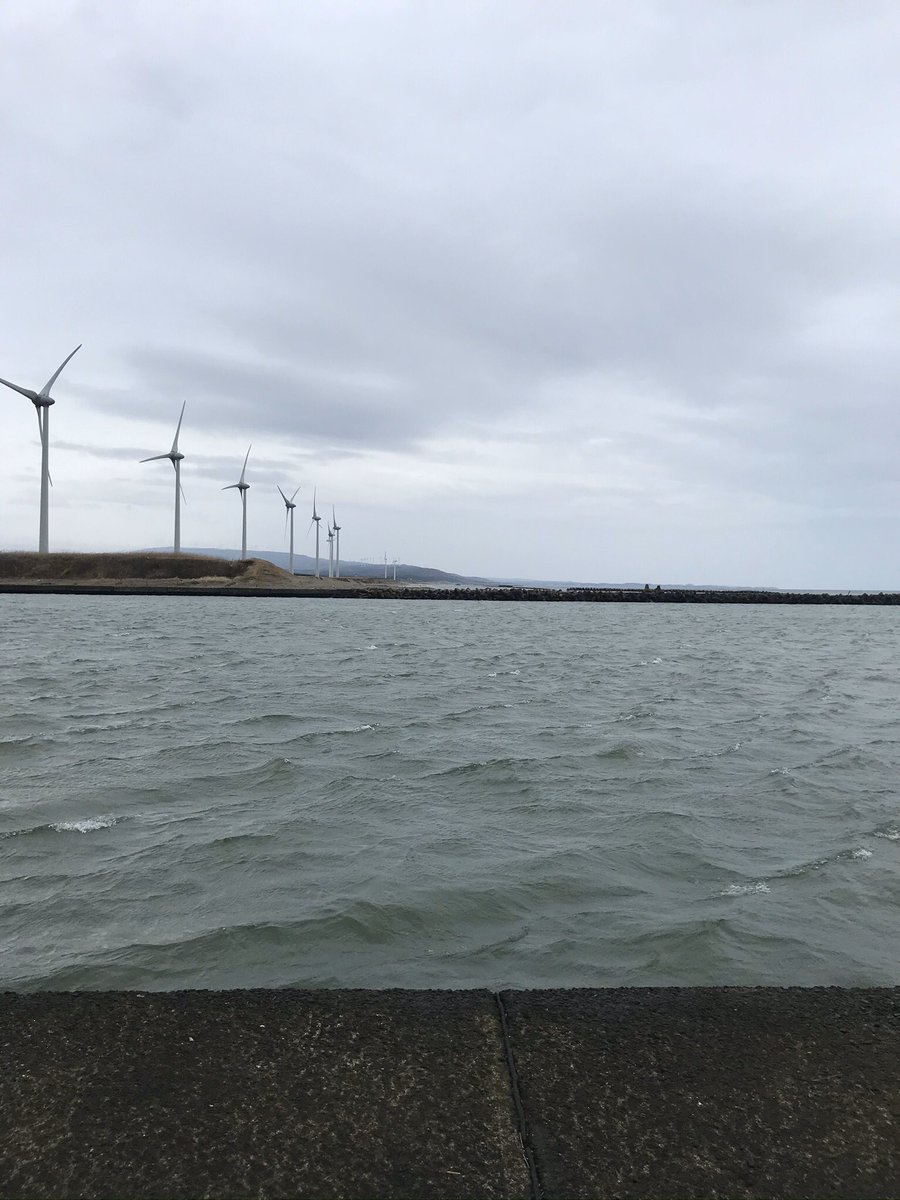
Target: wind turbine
column 42, row 401
column 175, row 458
column 337, row 543
column 385, row 564
column 243, row 488
column 330, row 552
column 315, row 518
column 289, row 507
column 394, row 564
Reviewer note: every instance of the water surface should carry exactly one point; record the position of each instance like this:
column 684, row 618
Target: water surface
column 222, row 792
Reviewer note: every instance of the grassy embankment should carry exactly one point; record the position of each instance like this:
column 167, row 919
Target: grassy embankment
column 192, row 572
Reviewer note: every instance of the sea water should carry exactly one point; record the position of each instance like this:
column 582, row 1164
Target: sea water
column 231, row 792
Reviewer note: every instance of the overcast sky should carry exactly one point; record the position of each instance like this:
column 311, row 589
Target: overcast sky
column 603, row 291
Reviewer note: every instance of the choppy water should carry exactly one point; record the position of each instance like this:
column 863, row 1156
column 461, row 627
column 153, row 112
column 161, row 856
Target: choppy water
column 230, row 793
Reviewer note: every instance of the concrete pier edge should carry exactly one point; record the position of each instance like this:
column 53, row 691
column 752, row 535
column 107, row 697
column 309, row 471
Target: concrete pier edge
column 619, row 1092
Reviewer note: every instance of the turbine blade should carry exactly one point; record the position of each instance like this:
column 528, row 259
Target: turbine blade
column 156, row 458
column 287, row 513
column 283, row 496
column 45, row 390
column 27, row 392
column 229, row 487
column 246, row 456
column 296, row 490
column 181, row 489
column 178, row 430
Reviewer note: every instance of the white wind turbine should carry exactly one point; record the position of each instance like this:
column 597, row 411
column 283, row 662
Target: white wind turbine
column 175, row 457
column 330, row 540
column 289, row 507
column 243, row 488
column 337, row 543
column 394, row 564
column 315, row 519
column 42, row 401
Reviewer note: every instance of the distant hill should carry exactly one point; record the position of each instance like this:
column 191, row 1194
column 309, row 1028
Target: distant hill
column 305, row 565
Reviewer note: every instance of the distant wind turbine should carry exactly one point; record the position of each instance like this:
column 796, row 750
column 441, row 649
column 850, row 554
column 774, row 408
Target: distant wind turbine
column 289, row 507
column 42, row 401
column 315, row 520
column 385, row 564
column 243, row 488
column 176, row 459
column 330, row 553
column 396, row 560
column 337, row 543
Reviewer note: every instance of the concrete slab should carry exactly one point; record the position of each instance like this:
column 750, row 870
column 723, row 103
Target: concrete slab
column 257, row 1093
column 731, row 1092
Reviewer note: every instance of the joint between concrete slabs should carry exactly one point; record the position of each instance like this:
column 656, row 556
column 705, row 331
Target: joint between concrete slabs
column 537, row 1191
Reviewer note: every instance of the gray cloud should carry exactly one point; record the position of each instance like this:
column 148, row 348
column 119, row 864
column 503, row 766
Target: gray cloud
column 503, row 265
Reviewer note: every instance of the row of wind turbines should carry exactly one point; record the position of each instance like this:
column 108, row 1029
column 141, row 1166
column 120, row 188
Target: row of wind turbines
column 42, row 402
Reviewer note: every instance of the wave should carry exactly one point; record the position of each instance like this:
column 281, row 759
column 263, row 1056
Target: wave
column 757, row 887
column 85, row 825
column 28, row 741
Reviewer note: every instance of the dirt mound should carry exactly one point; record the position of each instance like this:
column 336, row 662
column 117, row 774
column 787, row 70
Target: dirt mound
column 83, row 568
column 264, row 573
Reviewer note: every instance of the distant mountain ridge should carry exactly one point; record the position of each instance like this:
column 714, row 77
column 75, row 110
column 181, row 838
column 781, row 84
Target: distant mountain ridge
column 304, row 564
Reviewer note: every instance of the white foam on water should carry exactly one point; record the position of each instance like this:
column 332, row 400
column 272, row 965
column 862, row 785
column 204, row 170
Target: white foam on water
column 892, row 835
column 861, row 852
column 86, row 826
column 758, row 887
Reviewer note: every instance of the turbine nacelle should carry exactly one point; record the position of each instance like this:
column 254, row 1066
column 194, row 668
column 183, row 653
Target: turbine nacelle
column 241, row 485
column 288, row 504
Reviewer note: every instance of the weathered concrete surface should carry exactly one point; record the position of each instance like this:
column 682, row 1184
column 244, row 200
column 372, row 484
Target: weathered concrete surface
column 706, row 1092
column 711, row 1092
column 256, row 1093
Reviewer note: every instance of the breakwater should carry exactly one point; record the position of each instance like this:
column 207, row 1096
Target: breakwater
column 586, row 595
column 622, row 1092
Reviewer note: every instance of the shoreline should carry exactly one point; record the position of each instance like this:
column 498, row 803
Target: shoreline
column 353, row 590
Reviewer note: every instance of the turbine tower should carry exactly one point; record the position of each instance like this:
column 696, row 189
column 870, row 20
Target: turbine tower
column 330, row 553
column 337, row 543
column 243, row 488
column 394, row 564
column 289, row 507
column 42, row 401
column 385, row 564
column 175, row 458
column 315, row 519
